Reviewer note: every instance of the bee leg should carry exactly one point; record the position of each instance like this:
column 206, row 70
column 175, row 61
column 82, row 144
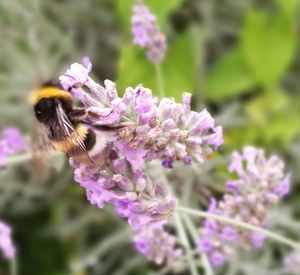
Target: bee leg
column 97, row 116
column 78, row 113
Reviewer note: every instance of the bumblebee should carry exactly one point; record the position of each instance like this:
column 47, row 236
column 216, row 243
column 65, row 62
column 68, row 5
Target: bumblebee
column 64, row 125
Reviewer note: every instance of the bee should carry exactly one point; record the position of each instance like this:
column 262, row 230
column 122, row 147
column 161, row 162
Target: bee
column 65, row 126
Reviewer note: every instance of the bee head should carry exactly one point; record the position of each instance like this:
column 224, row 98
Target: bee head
column 45, row 110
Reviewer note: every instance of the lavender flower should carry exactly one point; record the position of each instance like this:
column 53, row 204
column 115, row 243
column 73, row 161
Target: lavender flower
column 147, row 34
column 164, row 130
column 170, row 131
column 11, row 142
column 157, row 245
column 292, row 263
column 6, row 244
column 135, row 196
column 261, row 183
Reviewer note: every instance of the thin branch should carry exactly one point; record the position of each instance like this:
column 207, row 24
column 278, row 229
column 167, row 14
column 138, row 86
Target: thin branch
column 241, row 224
column 193, row 231
column 160, row 82
column 116, row 239
column 13, row 266
column 184, row 239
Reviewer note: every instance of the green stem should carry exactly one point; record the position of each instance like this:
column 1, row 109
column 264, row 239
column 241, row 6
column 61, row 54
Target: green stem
column 241, row 224
column 186, row 194
column 193, row 231
column 159, row 79
column 120, row 237
column 15, row 159
column 179, row 262
column 13, row 266
column 129, row 265
column 184, row 239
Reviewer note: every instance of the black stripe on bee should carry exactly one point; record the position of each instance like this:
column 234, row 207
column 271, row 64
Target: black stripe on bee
column 90, row 140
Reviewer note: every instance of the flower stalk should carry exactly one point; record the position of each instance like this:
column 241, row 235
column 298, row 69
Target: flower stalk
column 190, row 226
column 13, row 266
column 160, row 81
column 202, row 214
column 184, row 240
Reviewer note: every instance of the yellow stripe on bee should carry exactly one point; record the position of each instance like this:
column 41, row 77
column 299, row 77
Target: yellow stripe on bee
column 73, row 141
column 47, row 92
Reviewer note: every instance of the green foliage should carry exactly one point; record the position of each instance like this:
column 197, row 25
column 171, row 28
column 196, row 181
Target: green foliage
column 282, row 128
column 247, row 57
column 262, row 56
column 259, row 109
column 177, row 68
column 228, row 77
column 39, row 253
column 268, row 43
column 134, row 69
column 289, row 7
column 275, row 117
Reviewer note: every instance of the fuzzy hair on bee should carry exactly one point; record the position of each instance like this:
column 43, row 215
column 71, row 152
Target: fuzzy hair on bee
column 65, row 125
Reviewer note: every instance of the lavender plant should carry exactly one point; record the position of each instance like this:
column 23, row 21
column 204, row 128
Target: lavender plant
column 154, row 130
column 146, row 33
column 168, row 135
column 169, row 132
column 6, row 244
column 260, row 184
column 291, row 263
column 11, row 142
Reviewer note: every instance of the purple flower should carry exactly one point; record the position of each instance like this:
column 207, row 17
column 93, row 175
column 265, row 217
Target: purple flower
column 76, row 75
column 11, row 142
column 4, row 152
column 257, row 240
column 163, row 130
column 229, row 234
column 133, row 193
column 147, row 34
column 14, row 139
column 283, row 187
column 171, row 131
column 260, row 184
column 218, row 259
column 6, row 243
column 258, row 175
column 291, row 263
column 157, row 245
column 134, row 155
column 205, row 245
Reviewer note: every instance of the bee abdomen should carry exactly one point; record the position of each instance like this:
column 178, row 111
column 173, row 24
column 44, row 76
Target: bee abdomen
column 90, row 140
column 72, row 143
column 96, row 142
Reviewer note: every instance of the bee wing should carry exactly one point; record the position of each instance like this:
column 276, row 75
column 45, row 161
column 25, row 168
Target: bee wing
column 42, row 151
column 66, row 128
column 40, row 141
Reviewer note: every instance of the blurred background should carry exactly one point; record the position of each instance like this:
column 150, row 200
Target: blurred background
column 241, row 61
